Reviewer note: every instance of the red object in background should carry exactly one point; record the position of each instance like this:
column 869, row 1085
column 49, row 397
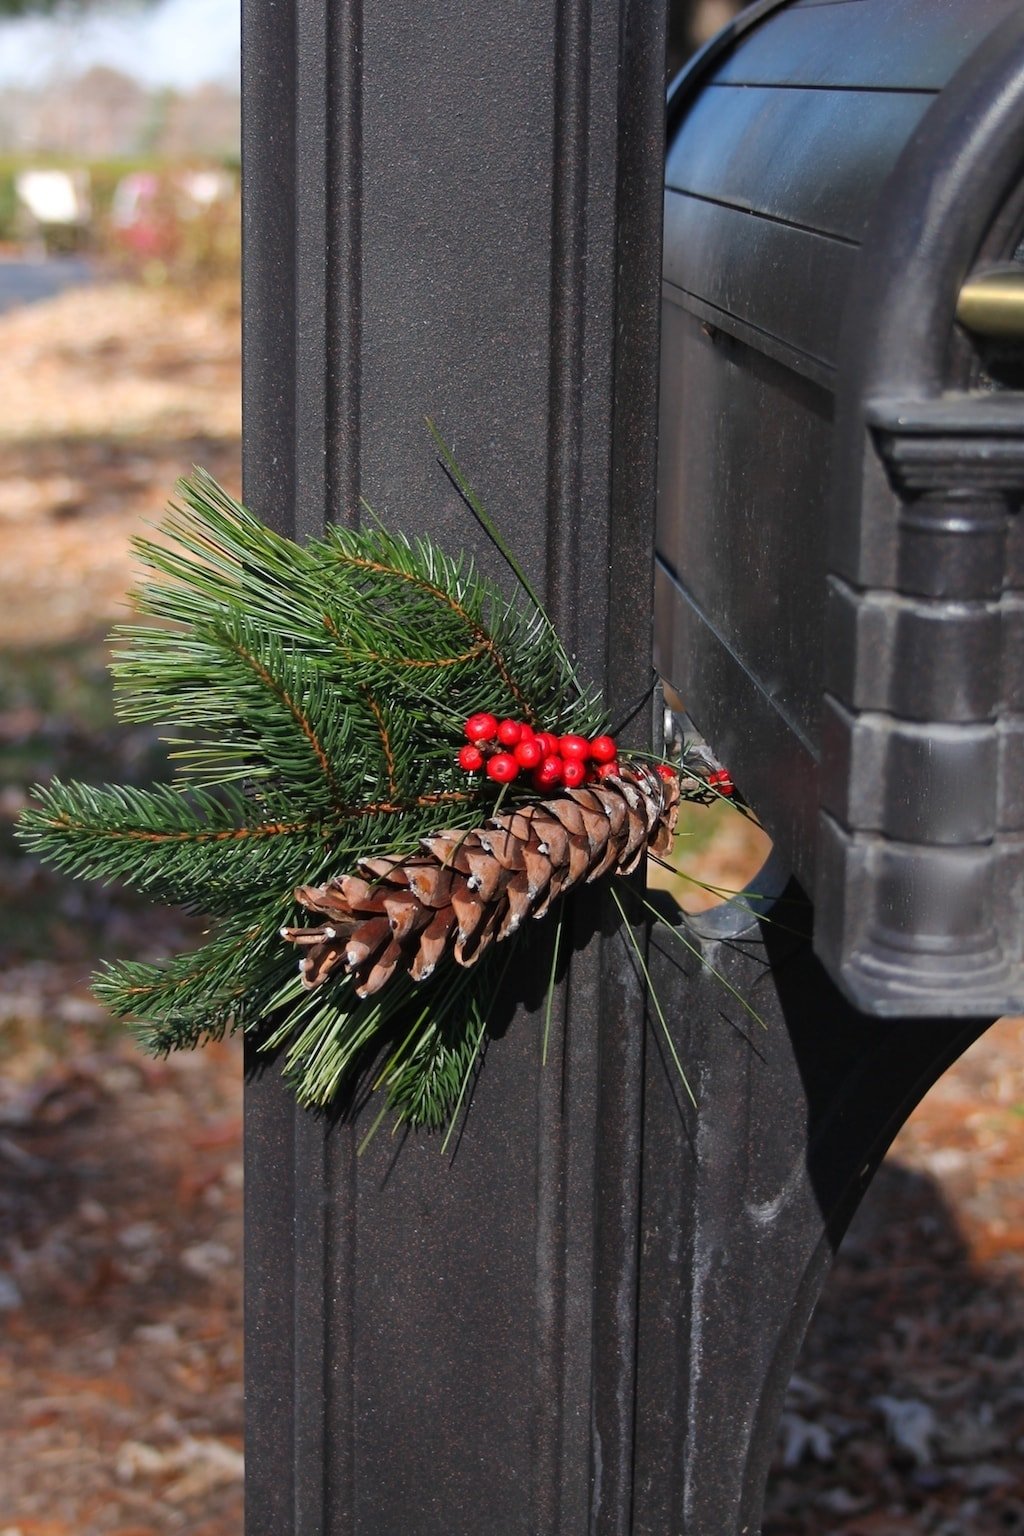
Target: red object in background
column 141, row 215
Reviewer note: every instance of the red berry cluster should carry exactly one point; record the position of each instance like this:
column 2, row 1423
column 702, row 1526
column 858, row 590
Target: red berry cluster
column 503, row 749
column 721, row 780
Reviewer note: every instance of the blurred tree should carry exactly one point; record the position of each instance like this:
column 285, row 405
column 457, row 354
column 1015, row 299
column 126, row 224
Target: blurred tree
column 10, row 8
column 100, row 112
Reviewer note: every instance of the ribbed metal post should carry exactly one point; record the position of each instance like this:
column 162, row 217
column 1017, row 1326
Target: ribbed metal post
column 454, row 211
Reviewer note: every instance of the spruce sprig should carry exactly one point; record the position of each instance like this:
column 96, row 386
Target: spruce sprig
column 313, row 698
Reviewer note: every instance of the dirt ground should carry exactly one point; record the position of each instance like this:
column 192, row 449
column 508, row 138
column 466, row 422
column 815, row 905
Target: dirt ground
column 120, row 1177
column 110, row 394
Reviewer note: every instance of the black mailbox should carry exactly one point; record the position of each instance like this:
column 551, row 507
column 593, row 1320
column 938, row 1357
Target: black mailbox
column 840, row 590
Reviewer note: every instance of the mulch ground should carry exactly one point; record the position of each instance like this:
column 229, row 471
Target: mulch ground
column 120, row 1178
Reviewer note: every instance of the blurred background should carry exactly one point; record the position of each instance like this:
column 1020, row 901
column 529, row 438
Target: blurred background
column 120, row 1177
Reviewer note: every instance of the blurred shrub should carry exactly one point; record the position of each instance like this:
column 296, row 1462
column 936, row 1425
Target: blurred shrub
column 151, row 221
column 8, row 203
column 180, row 226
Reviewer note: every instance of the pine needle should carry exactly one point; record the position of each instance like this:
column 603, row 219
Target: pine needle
column 729, row 893
column 374, row 1128
column 486, row 522
column 695, row 950
column 741, row 899
column 652, row 994
column 550, row 997
column 482, row 516
column 464, row 1084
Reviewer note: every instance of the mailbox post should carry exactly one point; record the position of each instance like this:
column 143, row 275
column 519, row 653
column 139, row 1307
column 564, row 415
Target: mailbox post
column 455, row 211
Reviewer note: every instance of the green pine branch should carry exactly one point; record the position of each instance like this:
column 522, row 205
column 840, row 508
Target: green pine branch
column 314, row 699
column 225, row 984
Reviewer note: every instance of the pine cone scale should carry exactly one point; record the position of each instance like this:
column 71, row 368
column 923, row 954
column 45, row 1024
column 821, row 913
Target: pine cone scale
column 432, row 946
column 520, row 905
column 554, row 843
column 486, row 875
column 469, row 913
column 538, row 871
column 322, row 961
column 366, row 942
column 325, row 899
column 406, row 915
column 431, row 883
column 469, row 947
column 380, row 973
column 445, row 847
column 502, row 847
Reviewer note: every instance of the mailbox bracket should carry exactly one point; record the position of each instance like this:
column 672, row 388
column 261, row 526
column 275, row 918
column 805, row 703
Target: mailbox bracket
column 920, row 849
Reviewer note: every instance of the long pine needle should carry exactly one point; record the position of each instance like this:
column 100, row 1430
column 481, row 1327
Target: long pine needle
column 550, row 997
column 652, row 994
column 694, row 949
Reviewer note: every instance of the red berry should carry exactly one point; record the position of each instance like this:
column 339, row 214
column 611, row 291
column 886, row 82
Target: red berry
column 603, row 749
column 573, row 773
column 721, row 780
column 528, row 753
column 509, row 732
column 548, row 744
column 471, row 758
column 608, row 770
column 549, row 772
column 481, row 727
column 574, row 748
column 665, row 771
column 502, row 767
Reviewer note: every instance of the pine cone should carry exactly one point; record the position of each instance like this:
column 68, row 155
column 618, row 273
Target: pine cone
column 467, row 889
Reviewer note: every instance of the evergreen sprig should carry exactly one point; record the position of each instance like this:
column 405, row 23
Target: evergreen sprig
column 314, row 698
